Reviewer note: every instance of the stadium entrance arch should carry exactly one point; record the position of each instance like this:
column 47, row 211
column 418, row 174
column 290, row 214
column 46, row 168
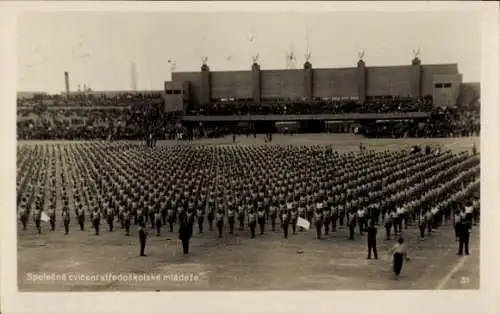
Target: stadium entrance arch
column 332, row 126
column 287, row 127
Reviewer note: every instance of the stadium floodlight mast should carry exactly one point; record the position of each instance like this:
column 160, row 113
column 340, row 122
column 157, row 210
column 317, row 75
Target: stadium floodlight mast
column 290, row 58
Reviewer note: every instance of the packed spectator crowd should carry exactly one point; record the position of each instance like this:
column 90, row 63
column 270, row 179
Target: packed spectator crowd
column 315, row 107
column 89, row 116
column 443, row 122
column 134, row 116
column 90, row 99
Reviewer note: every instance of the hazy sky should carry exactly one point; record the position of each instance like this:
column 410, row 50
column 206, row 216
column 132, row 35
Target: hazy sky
column 98, row 48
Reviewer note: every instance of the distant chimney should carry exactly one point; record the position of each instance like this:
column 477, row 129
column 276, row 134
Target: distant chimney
column 66, row 82
column 133, row 76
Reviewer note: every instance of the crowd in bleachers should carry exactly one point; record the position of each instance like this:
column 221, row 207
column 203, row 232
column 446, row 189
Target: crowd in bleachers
column 117, row 99
column 457, row 122
column 135, row 115
column 316, row 107
column 90, row 116
column 443, row 122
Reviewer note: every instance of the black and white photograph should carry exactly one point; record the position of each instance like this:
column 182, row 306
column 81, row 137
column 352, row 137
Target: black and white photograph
column 241, row 150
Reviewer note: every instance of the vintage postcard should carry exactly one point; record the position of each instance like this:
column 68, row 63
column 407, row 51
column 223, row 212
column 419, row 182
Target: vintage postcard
column 203, row 147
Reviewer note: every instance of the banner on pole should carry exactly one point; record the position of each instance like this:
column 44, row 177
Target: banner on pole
column 44, row 217
column 301, row 222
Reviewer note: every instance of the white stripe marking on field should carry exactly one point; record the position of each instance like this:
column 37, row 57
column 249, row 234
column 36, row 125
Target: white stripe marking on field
column 452, row 272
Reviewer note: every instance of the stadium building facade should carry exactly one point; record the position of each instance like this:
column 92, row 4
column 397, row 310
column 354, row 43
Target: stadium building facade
column 190, row 89
column 188, row 92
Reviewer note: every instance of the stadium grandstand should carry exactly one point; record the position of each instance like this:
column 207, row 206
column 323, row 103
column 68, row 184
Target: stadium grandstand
column 415, row 100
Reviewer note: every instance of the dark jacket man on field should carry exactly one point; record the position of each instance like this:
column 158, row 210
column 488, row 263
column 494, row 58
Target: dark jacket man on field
column 142, row 238
column 372, row 240
column 185, row 231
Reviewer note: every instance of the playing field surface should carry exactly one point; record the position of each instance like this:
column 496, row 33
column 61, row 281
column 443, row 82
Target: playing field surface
column 240, row 263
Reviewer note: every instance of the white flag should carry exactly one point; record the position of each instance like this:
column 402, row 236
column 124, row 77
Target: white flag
column 301, row 222
column 44, row 217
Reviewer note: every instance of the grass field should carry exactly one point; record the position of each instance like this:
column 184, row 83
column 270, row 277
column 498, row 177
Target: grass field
column 237, row 262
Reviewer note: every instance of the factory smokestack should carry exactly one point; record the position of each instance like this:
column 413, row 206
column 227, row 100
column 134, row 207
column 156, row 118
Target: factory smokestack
column 66, row 82
column 133, row 77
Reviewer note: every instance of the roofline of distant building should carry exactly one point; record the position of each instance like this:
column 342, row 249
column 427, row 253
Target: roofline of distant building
column 113, row 92
column 93, row 92
column 322, row 68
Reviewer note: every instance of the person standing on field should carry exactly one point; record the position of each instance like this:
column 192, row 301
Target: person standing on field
column 372, row 240
column 399, row 255
column 142, row 238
